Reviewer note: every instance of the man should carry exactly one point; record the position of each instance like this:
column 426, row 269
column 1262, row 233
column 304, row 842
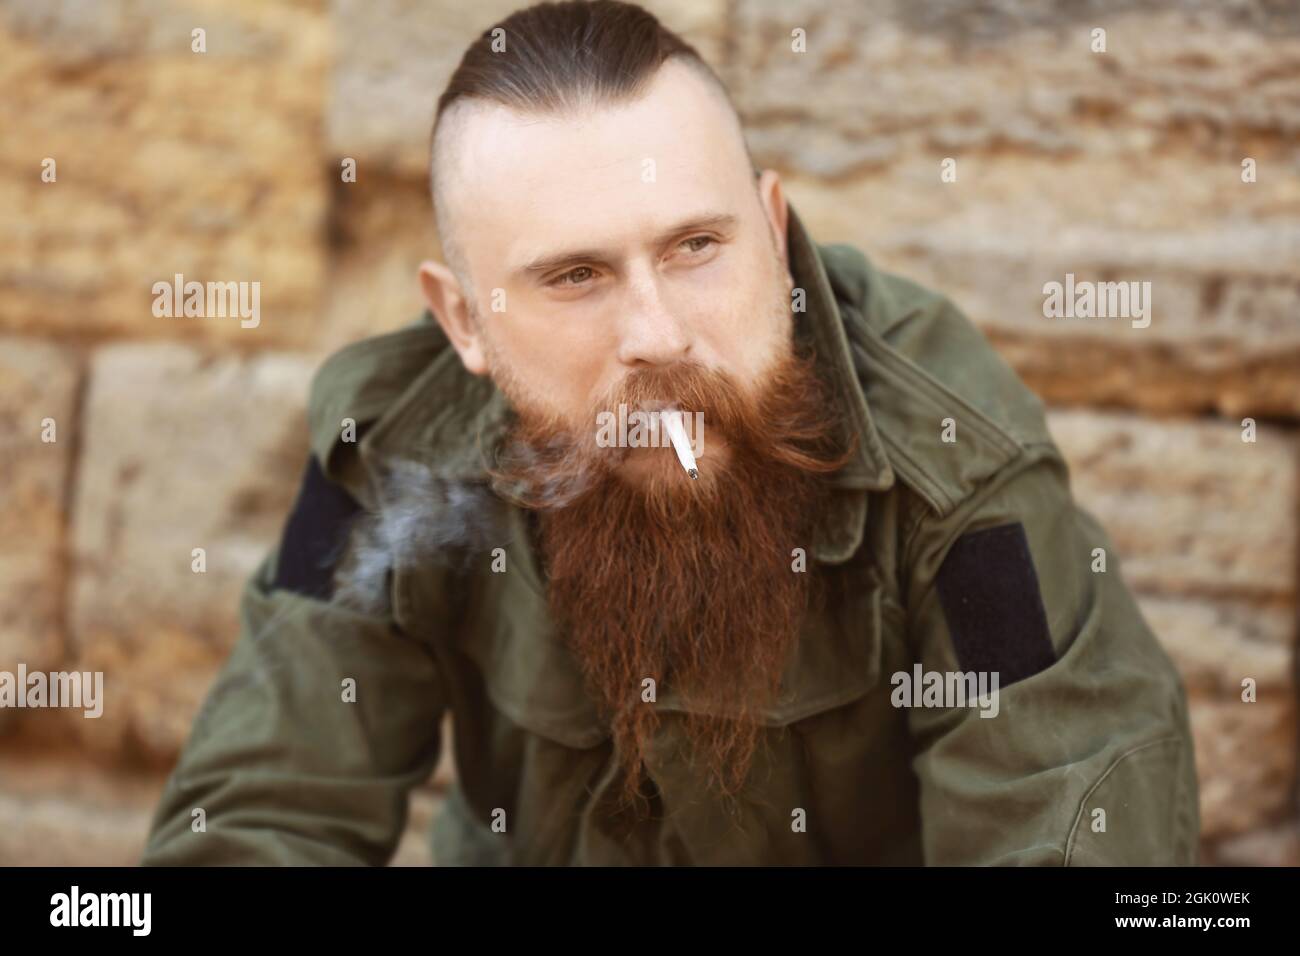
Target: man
column 868, row 624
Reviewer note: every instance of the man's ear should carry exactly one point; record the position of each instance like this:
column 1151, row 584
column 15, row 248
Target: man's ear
column 772, row 198
column 446, row 300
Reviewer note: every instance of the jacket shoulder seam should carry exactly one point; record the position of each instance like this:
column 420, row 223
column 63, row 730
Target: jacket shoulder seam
column 884, row 371
column 413, row 346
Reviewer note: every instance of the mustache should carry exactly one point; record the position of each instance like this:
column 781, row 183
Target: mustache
column 545, row 463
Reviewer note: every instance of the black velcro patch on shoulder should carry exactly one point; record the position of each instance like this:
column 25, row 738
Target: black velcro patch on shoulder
column 990, row 596
column 314, row 535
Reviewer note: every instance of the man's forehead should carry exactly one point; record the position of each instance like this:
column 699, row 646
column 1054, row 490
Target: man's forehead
column 631, row 166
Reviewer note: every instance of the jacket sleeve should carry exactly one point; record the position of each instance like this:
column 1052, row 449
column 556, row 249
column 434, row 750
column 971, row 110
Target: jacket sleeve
column 315, row 730
column 1084, row 755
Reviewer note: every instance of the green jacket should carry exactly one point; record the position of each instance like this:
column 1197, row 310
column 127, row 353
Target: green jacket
column 965, row 555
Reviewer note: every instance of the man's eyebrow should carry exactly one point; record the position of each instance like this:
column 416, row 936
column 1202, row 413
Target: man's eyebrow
column 711, row 220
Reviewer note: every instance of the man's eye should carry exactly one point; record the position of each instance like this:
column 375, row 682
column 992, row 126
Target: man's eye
column 573, row 277
column 706, row 240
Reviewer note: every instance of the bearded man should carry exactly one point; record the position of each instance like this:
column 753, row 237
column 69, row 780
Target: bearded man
column 853, row 617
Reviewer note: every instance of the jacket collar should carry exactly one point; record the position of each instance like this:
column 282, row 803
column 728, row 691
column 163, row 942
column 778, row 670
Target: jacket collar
column 840, row 531
column 452, row 420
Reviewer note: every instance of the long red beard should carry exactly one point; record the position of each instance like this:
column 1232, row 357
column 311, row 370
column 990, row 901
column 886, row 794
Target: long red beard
column 689, row 583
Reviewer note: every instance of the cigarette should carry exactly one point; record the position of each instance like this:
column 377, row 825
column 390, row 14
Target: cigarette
column 681, row 444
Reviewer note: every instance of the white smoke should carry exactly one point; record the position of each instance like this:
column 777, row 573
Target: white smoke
column 422, row 519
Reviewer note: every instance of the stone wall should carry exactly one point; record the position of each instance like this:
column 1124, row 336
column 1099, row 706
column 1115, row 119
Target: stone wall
column 172, row 434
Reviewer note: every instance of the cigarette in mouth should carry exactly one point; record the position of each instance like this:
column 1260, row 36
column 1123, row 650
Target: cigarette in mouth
column 681, row 444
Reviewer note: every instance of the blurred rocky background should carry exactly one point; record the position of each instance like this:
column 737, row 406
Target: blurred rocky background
column 175, row 433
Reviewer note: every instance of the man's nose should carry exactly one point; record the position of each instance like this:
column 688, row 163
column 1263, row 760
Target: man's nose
column 652, row 333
